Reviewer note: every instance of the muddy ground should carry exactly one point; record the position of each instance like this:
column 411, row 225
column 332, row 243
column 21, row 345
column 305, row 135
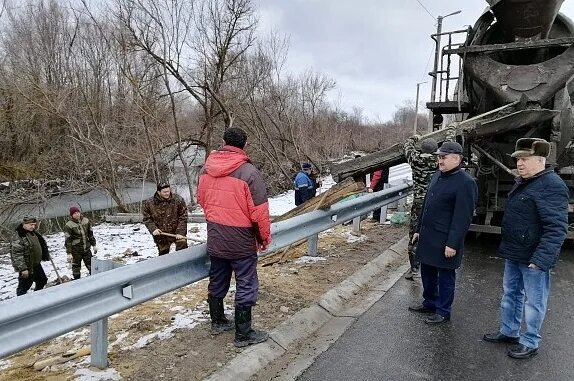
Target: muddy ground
column 192, row 354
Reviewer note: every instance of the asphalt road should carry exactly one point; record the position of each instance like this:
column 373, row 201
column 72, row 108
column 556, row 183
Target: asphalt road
column 390, row 343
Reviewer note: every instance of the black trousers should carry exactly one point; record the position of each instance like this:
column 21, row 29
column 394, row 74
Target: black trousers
column 37, row 276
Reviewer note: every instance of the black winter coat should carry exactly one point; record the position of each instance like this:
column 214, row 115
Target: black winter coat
column 446, row 215
column 535, row 222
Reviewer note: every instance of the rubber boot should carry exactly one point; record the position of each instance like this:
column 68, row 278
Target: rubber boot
column 219, row 323
column 244, row 334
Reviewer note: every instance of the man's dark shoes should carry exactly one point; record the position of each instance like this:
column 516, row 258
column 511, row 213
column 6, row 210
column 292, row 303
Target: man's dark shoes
column 499, row 338
column 437, row 319
column 421, row 308
column 522, row 352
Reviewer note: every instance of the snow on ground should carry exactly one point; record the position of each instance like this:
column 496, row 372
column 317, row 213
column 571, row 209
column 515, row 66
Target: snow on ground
column 86, row 374
column 306, row 259
column 128, row 243
column 186, row 319
column 131, row 243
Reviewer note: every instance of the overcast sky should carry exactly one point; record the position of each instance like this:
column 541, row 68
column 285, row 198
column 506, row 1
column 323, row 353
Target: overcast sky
column 376, row 50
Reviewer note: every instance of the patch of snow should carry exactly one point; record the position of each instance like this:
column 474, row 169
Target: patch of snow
column 184, row 320
column 119, row 338
column 5, row 364
column 85, row 374
column 307, row 259
column 351, row 238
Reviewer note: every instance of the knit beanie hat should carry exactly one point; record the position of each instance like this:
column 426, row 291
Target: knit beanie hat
column 73, row 210
column 29, row 219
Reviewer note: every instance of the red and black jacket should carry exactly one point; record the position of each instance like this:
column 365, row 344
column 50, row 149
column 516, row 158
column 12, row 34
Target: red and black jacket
column 232, row 194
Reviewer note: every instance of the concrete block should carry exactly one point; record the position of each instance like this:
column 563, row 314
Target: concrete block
column 249, row 362
column 300, row 325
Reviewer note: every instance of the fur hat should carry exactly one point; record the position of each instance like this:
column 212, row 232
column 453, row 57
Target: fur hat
column 429, row 146
column 531, row 147
column 29, row 219
column 74, row 209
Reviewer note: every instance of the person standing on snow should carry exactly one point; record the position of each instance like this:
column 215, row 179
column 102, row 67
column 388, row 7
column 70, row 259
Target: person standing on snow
column 79, row 239
column 166, row 212
column 28, row 249
column 232, row 194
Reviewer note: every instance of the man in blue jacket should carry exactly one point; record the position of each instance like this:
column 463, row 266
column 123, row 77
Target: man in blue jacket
column 304, row 185
column 447, row 212
column 534, row 226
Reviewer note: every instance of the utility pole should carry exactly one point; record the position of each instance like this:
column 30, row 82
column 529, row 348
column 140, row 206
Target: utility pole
column 417, row 108
column 437, row 57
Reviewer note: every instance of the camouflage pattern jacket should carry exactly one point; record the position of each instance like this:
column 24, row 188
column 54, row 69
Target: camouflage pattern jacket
column 79, row 236
column 21, row 251
column 423, row 165
column 168, row 215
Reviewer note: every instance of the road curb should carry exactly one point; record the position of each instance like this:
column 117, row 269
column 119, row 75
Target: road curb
column 306, row 322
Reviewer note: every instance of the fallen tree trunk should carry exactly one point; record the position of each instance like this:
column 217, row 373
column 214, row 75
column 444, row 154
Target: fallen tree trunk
column 338, row 192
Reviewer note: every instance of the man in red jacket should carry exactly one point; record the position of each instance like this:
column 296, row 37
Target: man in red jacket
column 234, row 199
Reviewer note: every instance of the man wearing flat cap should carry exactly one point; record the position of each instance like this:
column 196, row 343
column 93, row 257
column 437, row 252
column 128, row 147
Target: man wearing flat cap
column 166, row 212
column 28, row 249
column 423, row 164
column 534, row 226
column 446, row 215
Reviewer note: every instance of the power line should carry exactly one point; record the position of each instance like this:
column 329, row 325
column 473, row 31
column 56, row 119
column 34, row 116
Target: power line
column 428, row 62
column 425, row 8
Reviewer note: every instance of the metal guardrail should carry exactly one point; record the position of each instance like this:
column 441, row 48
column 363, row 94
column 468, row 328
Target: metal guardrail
column 36, row 317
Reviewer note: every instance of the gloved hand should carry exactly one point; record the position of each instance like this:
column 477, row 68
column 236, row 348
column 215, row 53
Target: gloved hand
column 70, row 258
column 156, row 232
column 25, row 274
column 415, row 138
column 95, row 250
column 179, row 237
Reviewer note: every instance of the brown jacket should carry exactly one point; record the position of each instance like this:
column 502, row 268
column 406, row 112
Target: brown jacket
column 168, row 215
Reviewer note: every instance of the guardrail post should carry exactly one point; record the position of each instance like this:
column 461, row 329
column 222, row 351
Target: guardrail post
column 383, row 217
column 403, row 201
column 99, row 329
column 356, row 226
column 312, row 243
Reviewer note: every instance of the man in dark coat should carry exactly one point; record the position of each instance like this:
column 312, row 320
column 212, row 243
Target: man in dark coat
column 534, row 226
column 166, row 212
column 447, row 212
column 28, row 249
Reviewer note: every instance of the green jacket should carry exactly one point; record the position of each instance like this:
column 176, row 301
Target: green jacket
column 21, row 251
column 423, row 165
column 79, row 236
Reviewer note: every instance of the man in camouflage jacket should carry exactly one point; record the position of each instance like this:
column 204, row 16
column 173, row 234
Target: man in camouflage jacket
column 423, row 165
column 28, row 248
column 79, row 239
column 166, row 212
